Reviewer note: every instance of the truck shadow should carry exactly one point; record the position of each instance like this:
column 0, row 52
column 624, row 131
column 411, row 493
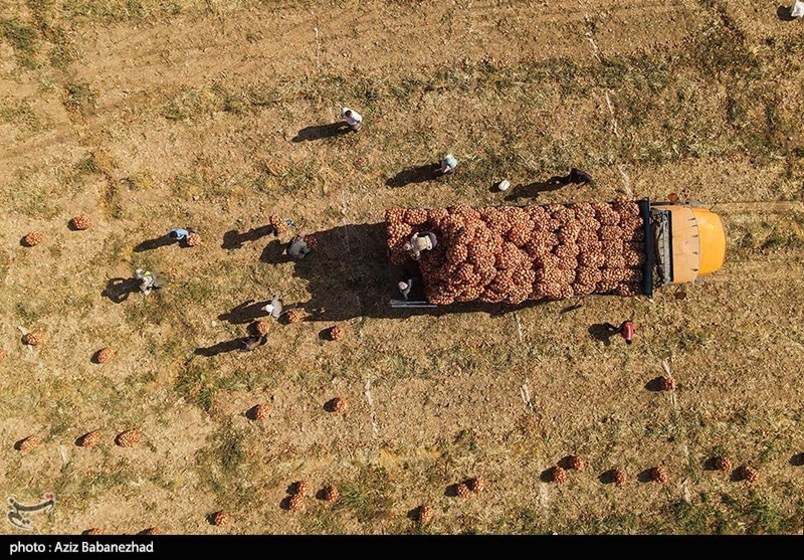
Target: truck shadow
column 347, row 276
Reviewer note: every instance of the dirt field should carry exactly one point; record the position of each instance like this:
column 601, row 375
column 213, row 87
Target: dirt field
column 150, row 114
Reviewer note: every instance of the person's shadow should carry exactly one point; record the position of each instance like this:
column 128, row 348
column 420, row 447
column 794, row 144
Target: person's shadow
column 155, row 243
column 785, row 13
column 317, row 132
column 275, row 252
column 221, row 347
column 533, row 190
column 602, row 333
column 118, row 289
column 246, row 312
column 420, row 174
column 233, row 239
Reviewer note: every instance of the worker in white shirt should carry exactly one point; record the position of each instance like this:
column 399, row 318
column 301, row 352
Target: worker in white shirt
column 146, row 281
column 274, row 309
column 405, row 286
column 797, row 10
column 352, row 118
column 419, row 242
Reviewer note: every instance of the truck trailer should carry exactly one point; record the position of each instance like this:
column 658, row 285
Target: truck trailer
column 512, row 254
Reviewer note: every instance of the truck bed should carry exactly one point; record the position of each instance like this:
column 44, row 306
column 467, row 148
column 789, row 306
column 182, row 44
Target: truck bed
column 405, row 268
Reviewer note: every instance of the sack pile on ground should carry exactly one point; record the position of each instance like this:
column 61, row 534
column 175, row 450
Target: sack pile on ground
column 513, row 254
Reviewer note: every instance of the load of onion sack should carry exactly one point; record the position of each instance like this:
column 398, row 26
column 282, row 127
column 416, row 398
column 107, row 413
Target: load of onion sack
column 512, row 254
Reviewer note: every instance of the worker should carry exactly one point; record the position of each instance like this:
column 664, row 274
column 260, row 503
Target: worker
column 404, row 287
column 420, row 241
column 352, row 118
column 147, row 281
column 448, row 164
column 626, row 330
column 797, row 10
column 252, row 342
column 297, row 247
column 578, row 177
column 179, row 234
column 274, row 309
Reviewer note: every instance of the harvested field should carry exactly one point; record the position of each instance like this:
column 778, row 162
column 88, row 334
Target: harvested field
column 139, row 116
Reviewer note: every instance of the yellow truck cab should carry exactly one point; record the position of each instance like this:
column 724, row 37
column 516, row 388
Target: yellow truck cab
column 690, row 242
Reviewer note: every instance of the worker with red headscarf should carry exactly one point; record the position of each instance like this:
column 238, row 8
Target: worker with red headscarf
column 626, row 330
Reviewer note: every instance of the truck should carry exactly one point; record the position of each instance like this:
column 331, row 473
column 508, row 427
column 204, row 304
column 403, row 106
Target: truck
column 513, row 254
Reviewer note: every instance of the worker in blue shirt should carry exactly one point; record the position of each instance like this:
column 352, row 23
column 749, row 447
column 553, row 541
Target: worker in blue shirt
column 448, row 164
column 298, row 248
column 179, row 234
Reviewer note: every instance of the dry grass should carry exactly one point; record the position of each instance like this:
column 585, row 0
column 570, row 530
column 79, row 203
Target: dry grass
column 130, row 126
